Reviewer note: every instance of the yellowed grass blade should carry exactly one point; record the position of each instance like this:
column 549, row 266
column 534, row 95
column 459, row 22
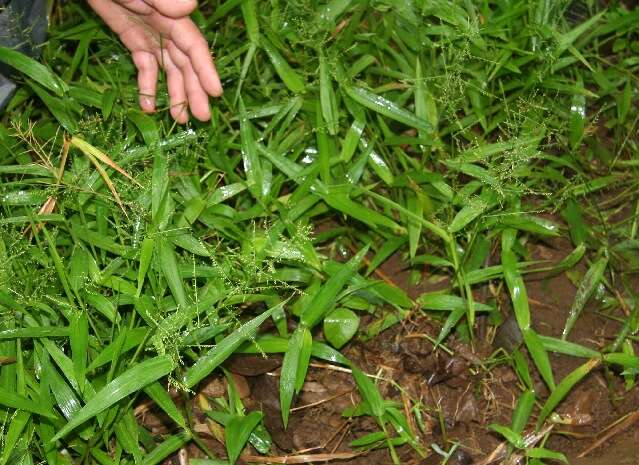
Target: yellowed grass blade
column 47, row 207
column 96, row 153
column 107, row 180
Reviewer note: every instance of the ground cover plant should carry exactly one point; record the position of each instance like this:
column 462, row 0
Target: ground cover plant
column 380, row 177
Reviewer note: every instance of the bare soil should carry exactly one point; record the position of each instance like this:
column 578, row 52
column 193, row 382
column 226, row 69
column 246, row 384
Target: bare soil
column 458, row 395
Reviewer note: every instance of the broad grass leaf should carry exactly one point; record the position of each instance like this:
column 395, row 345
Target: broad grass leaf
column 167, row 262
column 13, row 400
column 162, row 399
column 33, row 69
column 130, row 338
column 451, row 322
column 249, row 13
column 250, row 156
column 237, row 432
column 129, row 382
column 425, row 105
column 146, row 255
column 368, row 439
column 572, row 213
column 369, row 392
column 561, row 346
column 328, row 101
column 324, row 150
column 146, row 125
column 13, row 435
column 522, row 411
column 414, row 227
column 473, row 209
column 340, row 326
column 342, row 202
column 326, row 296
column 387, row 249
column 386, row 107
column 78, row 269
column 294, row 367
column 160, row 197
column 64, row 396
column 220, row 352
column 332, row 10
column 36, row 332
column 126, row 431
column 587, row 287
column 517, row 289
column 564, row 387
column 521, row 368
column 511, row 436
column 79, row 339
column 351, row 140
column 627, row 361
column 306, row 350
column 539, row 355
column 447, row 303
column 289, row 76
column 167, row 447
column 542, row 453
column 577, row 119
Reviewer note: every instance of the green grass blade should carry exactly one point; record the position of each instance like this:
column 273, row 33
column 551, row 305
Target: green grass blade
column 162, row 399
column 587, row 287
column 167, row 447
column 564, row 387
column 33, row 69
column 220, row 352
column 370, row 393
column 237, row 432
column 385, row 107
column 12, row 400
column 289, row 76
column 168, row 265
column 324, row 300
column 330, row 112
column 540, row 356
column 129, row 382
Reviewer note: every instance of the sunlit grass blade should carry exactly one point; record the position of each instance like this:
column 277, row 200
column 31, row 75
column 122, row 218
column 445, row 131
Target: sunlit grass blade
column 125, row 384
column 386, row 107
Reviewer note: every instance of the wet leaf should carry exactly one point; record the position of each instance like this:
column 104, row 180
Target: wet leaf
column 340, row 326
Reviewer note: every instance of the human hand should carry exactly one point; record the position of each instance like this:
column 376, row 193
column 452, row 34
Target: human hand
column 159, row 33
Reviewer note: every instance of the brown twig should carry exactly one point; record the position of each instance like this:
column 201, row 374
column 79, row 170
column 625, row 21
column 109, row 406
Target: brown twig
column 320, row 402
column 617, row 427
column 304, row 458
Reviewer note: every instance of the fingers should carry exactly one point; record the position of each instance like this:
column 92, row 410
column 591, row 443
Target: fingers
column 136, row 6
column 147, row 67
column 177, row 92
column 189, row 40
column 172, row 8
column 198, row 98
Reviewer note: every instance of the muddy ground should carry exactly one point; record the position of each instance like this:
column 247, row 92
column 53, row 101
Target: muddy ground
column 458, row 395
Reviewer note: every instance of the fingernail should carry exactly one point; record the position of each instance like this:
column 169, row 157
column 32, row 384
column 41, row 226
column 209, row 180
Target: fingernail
column 147, row 102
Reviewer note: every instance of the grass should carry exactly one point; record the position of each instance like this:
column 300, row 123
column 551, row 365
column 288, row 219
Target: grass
column 450, row 134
